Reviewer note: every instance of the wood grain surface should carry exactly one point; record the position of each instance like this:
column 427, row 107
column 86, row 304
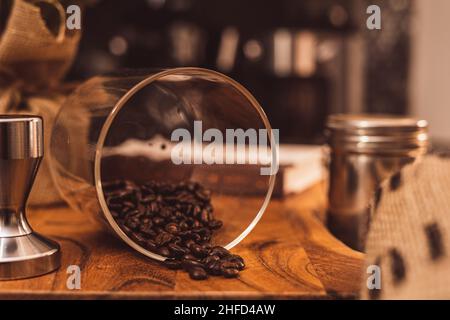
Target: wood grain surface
column 290, row 254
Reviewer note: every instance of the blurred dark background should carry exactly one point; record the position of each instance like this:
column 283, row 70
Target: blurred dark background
column 302, row 59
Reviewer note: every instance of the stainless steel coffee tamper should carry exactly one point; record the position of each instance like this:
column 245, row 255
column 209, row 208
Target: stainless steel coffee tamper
column 23, row 253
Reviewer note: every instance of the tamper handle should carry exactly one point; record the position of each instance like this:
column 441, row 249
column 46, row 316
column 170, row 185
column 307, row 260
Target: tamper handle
column 21, row 151
column 23, row 253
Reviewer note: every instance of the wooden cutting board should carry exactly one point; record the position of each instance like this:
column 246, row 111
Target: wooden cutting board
column 290, row 254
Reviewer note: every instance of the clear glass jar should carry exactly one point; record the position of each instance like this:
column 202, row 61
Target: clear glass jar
column 120, row 127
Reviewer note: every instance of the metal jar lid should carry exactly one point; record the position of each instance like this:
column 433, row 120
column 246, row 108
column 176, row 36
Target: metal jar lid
column 376, row 133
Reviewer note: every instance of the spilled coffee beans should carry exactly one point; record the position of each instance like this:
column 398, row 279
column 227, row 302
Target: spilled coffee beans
column 174, row 220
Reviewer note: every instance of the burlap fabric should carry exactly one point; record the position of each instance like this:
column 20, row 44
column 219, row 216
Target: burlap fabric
column 409, row 235
column 36, row 51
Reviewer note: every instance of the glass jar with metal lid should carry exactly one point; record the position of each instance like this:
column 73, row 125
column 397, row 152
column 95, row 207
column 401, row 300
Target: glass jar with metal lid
column 365, row 150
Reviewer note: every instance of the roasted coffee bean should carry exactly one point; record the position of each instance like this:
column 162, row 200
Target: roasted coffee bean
column 205, row 235
column 198, row 251
column 184, row 226
column 172, row 264
column 114, row 202
column 151, row 245
column 185, row 235
column 238, row 261
column 235, row 257
column 109, row 186
column 125, row 228
column 188, row 199
column 209, row 259
column 178, row 214
column 196, row 211
column 158, row 221
column 240, row 265
column 133, row 213
column 196, row 237
column 191, row 186
column 170, row 199
column 204, row 217
column 148, row 198
column 198, row 273
column 203, row 231
column 138, row 238
column 215, row 224
column 172, row 228
column 176, row 250
column 132, row 223
column 189, row 256
column 196, row 224
column 163, row 238
column 126, row 211
column 117, row 197
column 228, row 264
column 176, row 240
column 164, row 251
column 145, row 220
column 206, row 249
column 159, row 230
column 146, row 228
column 219, row 251
column 129, row 204
column 214, row 268
column 165, row 212
column 174, row 220
column 188, row 264
column 148, row 213
column 154, row 206
column 230, row 273
column 151, row 234
column 203, row 195
column 126, row 198
column 117, row 207
column 189, row 243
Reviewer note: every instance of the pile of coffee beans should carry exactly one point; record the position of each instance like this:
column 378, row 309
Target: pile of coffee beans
column 175, row 221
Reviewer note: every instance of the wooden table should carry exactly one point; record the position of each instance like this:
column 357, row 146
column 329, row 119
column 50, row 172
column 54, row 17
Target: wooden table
column 290, row 254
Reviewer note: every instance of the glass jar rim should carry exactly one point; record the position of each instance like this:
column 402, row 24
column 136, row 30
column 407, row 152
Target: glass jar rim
column 121, row 103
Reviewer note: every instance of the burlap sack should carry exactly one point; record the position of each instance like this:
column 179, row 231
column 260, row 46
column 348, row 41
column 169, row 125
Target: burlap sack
column 409, row 236
column 33, row 60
